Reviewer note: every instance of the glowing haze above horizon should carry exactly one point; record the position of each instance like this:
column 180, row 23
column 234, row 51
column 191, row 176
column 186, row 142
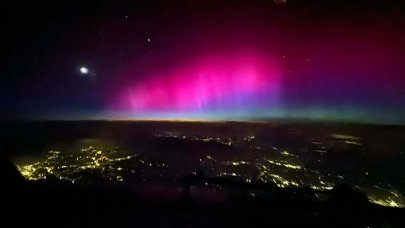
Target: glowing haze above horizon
column 208, row 60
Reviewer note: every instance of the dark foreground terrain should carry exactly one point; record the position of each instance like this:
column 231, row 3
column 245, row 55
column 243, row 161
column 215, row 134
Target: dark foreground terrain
column 130, row 174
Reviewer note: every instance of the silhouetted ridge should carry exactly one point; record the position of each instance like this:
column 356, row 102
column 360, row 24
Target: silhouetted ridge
column 9, row 174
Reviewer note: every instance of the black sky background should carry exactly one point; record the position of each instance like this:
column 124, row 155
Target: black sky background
column 44, row 42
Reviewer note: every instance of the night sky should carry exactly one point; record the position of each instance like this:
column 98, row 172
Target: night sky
column 204, row 60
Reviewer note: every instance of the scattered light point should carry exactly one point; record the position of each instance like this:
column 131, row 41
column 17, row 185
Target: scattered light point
column 84, row 70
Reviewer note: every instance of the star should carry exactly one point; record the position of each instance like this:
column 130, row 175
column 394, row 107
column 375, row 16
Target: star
column 84, row 70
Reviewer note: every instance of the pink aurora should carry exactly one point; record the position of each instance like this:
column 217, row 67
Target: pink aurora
column 206, row 84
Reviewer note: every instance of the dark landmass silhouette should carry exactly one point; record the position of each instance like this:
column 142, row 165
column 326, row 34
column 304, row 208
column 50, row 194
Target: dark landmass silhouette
column 100, row 203
column 54, row 202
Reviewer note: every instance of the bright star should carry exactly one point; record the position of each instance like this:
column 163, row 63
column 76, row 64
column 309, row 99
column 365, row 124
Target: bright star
column 84, row 70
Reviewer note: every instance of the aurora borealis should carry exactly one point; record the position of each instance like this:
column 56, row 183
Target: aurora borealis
column 217, row 83
column 210, row 60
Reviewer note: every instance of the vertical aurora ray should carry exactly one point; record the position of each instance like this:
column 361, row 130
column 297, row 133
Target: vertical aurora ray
column 209, row 86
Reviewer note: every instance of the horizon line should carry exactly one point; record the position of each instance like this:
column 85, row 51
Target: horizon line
column 202, row 120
